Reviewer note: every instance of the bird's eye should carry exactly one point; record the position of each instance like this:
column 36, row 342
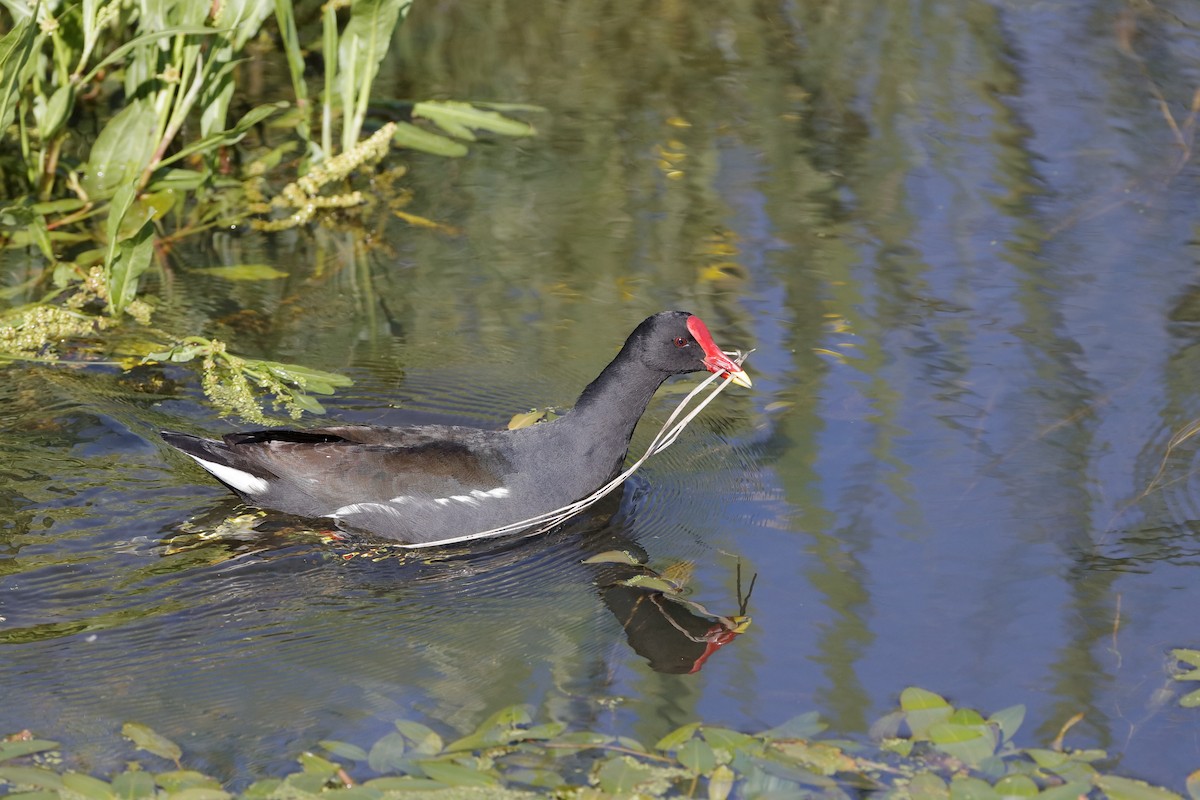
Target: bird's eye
column 680, row 341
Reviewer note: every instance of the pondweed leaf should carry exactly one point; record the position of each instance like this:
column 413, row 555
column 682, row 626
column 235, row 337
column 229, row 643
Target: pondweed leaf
column 133, row 785
column 454, row 116
column 387, row 754
column 421, row 140
column 344, row 750
column 1118, row 788
column 677, row 737
column 453, row 774
column 151, row 741
column 425, row 741
column 31, row 776
column 1009, row 720
column 243, row 272
column 18, row 748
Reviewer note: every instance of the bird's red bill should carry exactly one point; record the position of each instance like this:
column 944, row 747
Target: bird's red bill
column 714, row 359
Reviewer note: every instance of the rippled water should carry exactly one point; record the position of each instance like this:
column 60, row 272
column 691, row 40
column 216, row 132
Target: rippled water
column 962, row 238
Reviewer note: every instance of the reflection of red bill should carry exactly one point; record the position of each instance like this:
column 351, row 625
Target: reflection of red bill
column 714, row 359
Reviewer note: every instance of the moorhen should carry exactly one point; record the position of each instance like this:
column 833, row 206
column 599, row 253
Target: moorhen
column 432, row 483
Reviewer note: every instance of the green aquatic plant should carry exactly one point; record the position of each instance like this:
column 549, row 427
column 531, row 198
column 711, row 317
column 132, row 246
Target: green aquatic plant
column 926, row 748
column 91, row 207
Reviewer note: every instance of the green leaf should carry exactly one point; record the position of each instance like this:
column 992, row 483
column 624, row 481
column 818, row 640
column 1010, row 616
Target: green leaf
column 803, row 726
column 120, row 153
column 456, row 774
column 133, row 785
column 151, row 741
column 971, row 788
column 56, row 112
column 1188, row 656
column 132, row 260
column 31, row 776
column 425, row 741
column 387, row 755
column 616, row 557
column 1016, row 786
column 547, row 730
column 361, row 48
column 177, row 180
column 1068, row 791
column 971, row 744
column 496, row 729
column 243, row 272
column 16, row 749
column 697, row 756
column 923, row 709
column 928, row 786
column 650, row 583
column 1193, row 785
column 620, row 775
column 1190, row 700
column 414, row 138
column 452, row 116
column 720, row 783
column 729, row 740
column 180, row 779
column 677, row 737
column 1009, row 720
column 344, row 750
column 15, row 49
column 1129, row 789
column 119, row 53
column 87, row 786
column 228, row 136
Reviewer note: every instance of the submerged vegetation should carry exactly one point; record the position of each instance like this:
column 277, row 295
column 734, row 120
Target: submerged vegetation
column 926, row 748
column 118, row 137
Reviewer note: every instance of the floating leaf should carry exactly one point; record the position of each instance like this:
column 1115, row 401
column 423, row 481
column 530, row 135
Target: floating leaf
column 31, row 776
column 425, row 741
column 1190, row 700
column 456, row 774
column 928, row 787
column 133, row 784
column 387, row 755
column 720, row 783
column 151, row 741
column 18, row 748
column 1193, row 785
column 414, row 138
column 729, row 740
column 1129, row 789
column 1008, row 720
column 678, row 736
column 803, row 726
column 651, row 583
column 697, row 756
column 969, row 743
column 1016, row 786
column 86, row 786
column 1187, row 656
column 243, row 272
column 454, row 116
column 965, row 787
column 922, row 709
column 615, row 557
column 344, row 750
column 620, row 775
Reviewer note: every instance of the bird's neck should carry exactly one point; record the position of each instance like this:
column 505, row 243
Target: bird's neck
column 602, row 422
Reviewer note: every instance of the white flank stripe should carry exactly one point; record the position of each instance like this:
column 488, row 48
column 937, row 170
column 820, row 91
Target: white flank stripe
column 465, row 498
column 359, row 508
column 237, row 478
column 498, row 492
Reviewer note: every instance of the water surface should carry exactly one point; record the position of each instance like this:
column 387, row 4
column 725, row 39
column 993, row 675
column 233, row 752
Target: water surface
column 962, row 238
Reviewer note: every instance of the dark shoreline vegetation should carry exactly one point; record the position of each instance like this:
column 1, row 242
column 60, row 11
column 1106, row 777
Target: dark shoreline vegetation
column 926, row 748
column 123, row 134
